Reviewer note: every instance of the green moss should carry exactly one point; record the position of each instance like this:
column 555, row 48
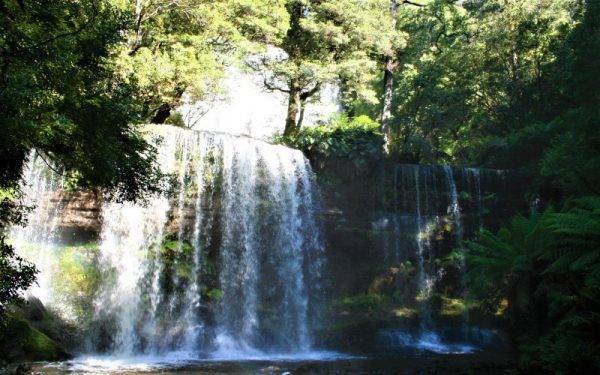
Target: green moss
column 370, row 302
column 452, row 306
column 20, row 341
column 214, row 294
column 465, row 195
column 80, row 278
column 405, row 312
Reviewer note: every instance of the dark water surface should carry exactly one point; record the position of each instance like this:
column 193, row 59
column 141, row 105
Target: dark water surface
column 405, row 363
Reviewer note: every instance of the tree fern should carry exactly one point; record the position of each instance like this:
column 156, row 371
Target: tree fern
column 560, row 252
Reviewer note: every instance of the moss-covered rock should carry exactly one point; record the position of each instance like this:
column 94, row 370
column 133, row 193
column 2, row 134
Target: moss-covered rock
column 19, row 341
column 67, row 335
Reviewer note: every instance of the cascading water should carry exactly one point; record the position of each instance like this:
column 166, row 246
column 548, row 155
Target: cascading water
column 131, row 234
column 36, row 241
column 454, row 210
column 263, row 260
column 454, row 206
column 427, row 203
column 417, row 186
column 227, row 266
column 474, row 176
column 267, row 227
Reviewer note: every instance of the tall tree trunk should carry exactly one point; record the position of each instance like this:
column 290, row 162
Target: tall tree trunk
column 164, row 111
column 388, row 86
column 301, row 116
column 293, row 110
column 295, row 10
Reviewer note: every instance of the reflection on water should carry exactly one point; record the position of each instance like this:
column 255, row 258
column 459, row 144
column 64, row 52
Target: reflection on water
column 444, row 340
column 188, row 362
column 427, row 341
column 492, row 362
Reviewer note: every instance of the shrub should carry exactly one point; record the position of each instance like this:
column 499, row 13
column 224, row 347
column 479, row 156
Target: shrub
column 357, row 139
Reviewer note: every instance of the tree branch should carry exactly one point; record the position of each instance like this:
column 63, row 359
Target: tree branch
column 413, row 3
column 71, row 33
column 40, row 154
column 307, row 94
column 272, row 87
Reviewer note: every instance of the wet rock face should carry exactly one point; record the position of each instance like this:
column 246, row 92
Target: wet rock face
column 390, row 231
column 82, row 210
column 80, row 217
column 380, row 219
column 369, row 216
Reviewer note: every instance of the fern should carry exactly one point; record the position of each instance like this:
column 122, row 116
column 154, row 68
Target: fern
column 560, row 251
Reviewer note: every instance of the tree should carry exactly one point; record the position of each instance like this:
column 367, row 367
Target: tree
column 572, row 159
column 326, row 41
column 59, row 97
column 16, row 274
column 472, row 74
column 389, row 67
column 182, row 46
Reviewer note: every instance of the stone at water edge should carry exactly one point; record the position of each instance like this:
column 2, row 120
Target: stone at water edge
column 21, row 342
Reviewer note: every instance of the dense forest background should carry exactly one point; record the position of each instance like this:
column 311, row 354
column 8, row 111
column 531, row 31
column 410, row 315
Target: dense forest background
column 498, row 83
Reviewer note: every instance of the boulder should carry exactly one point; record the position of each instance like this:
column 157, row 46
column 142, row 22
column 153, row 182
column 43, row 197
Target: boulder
column 19, row 341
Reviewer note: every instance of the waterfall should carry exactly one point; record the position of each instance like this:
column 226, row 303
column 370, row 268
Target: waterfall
column 129, row 249
column 426, row 220
column 228, row 265
column 36, row 241
column 267, row 200
column 454, row 210
column 454, row 206
column 415, row 201
column 421, row 239
column 474, row 176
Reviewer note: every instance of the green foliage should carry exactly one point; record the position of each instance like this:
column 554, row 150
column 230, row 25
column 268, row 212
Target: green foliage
column 176, row 255
column 214, row 294
column 325, row 42
column 16, row 275
column 507, row 84
column 452, row 306
column 80, row 278
column 368, row 302
column 172, row 48
column 60, row 96
column 572, row 160
column 474, row 73
column 499, row 260
column 357, row 139
column 175, row 119
column 548, row 269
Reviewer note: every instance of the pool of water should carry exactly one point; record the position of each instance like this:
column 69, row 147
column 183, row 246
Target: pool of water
column 176, row 361
column 397, row 351
column 305, row 363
